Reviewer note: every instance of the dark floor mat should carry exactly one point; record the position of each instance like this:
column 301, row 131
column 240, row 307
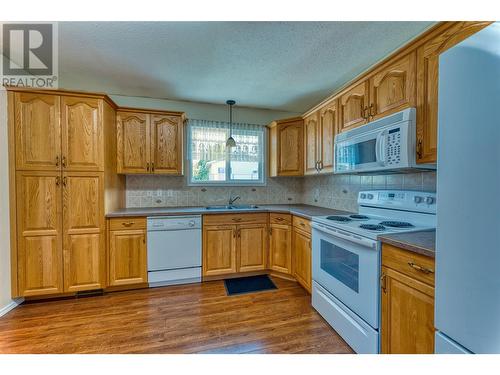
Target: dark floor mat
column 242, row 285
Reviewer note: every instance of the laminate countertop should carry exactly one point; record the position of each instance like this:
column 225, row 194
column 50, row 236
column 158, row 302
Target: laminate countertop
column 302, row 210
column 423, row 242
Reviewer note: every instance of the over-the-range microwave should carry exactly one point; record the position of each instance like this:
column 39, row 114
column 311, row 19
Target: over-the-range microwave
column 386, row 145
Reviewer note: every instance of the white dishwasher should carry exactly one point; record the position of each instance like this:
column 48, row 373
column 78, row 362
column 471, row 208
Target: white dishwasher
column 174, row 250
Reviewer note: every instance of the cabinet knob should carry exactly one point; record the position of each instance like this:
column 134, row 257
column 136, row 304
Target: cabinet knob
column 128, row 224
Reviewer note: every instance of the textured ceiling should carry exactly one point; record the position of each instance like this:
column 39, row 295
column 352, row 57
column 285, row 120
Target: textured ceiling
column 287, row 66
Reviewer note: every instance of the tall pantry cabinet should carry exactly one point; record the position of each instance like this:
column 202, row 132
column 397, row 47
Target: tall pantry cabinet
column 62, row 182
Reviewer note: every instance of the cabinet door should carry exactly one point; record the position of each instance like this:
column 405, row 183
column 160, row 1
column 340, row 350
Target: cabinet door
column 427, row 85
column 82, row 134
column 219, row 250
column 407, row 315
column 393, row 88
column 354, row 107
column 328, row 128
column 291, row 148
column 280, row 251
column 302, row 259
column 39, row 233
column 311, row 135
column 166, row 144
column 83, row 224
column 133, row 142
column 252, row 245
column 127, row 257
column 37, row 132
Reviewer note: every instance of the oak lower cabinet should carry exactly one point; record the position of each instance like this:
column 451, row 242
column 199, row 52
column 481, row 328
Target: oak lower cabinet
column 407, row 298
column 127, row 254
column 302, row 257
column 280, row 248
column 286, row 147
column 234, row 243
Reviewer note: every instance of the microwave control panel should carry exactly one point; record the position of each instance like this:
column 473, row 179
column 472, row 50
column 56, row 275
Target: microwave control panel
column 393, row 148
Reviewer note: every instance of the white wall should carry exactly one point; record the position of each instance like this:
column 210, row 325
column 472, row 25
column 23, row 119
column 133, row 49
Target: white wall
column 205, row 111
column 5, row 299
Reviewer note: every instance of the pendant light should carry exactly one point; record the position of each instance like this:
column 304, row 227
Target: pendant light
column 230, row 141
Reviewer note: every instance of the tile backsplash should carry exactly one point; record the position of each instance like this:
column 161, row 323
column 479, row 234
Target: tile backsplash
column 333, row 191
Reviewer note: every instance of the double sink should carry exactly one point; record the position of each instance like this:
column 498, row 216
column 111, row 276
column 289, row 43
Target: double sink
column 233, row 207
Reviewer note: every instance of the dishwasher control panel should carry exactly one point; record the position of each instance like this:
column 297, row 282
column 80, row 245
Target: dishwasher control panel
column 162, row 223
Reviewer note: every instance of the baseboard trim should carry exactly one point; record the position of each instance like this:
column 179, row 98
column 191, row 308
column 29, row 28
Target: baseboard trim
column 11, row 306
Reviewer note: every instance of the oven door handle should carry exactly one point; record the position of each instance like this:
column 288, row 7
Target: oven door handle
column 346, row 236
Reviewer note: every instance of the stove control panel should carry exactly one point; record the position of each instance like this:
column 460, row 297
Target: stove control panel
column 407, row 200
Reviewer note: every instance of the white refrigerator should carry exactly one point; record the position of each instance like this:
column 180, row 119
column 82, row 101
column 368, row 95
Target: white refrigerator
column 467, row 314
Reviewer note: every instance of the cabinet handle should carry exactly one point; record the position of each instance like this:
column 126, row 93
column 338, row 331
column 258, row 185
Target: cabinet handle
column 64, row 161
column 147, row 166
column 58, row 180
column 57, row 161
column 320, row 164
column 152, row 167
column 279, row 219
column 237, row 219
column 364, row 115
column 420, row 268
column 371, row 113
column 270, row 231
column 128, row 224
column 419, row 149
column 234, row 233
column 64, row 181
column 239, row 233
column 383, row 285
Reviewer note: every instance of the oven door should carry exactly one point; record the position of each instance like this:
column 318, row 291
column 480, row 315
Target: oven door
column 361, row 153
column 348, row 266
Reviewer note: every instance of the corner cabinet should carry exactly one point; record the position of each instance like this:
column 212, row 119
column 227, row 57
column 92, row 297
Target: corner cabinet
column 149, row 142
column 286, row 147
column 63, row 181
column 407, row 299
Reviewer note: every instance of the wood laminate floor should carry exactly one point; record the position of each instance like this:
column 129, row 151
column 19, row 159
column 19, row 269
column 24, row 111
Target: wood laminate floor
column 196, row 318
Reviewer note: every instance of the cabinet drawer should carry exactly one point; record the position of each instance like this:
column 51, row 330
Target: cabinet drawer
column 411, row 264
column 127, row 223
column 215, row 219
column 302, row 224
column 275, row 218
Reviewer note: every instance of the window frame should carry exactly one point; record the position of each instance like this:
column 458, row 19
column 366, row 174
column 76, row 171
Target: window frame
column 249, row 183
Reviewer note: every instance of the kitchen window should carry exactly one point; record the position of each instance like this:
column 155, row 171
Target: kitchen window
column 210, row 162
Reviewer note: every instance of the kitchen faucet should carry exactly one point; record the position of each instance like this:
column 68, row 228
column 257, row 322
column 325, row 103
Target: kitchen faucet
column 232, row 200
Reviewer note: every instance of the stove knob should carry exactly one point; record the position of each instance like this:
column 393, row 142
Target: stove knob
column 370, row 196
column 362, row 195
column 429, row 200
column 417, row 199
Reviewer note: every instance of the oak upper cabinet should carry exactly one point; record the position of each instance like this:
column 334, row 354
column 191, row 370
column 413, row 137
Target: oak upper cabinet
column 393, row 87
column 328, row 124
column 280, row 249
column 311, row 143
column 302, row 258
column 83, row 231
column 127, row 258
column 252, row 245
column 149, row 142
column 286, row 147
column 219, row 250
column 427, row 85
column 82, row 134
column 407, row 300
column 37, row 131
column 39, row 233
column 133, row 146
column 166, row 144
column 353, row 107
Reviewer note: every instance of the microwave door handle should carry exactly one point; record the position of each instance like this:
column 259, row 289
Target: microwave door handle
column 380, row 147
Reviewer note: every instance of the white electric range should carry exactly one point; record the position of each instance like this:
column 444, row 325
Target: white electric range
column 346, row 259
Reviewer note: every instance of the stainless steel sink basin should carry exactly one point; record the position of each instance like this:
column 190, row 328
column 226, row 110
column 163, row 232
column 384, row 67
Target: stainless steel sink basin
column 233, row 207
